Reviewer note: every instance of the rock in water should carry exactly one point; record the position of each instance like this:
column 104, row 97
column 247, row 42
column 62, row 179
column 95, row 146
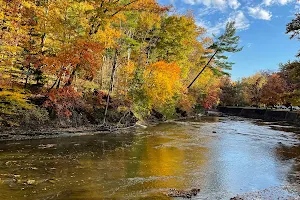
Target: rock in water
column 236, row 198
column 31, row 182
column 183, row 193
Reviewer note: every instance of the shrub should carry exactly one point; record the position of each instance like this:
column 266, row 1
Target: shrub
column 64, row 101
column 34, row 117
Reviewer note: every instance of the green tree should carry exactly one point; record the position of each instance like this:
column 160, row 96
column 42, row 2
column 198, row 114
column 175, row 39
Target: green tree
column 226, row 43
column 293, row 28
column 231, row 93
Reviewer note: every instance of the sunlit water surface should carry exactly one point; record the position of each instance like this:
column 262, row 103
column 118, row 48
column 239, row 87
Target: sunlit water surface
column 221, row 157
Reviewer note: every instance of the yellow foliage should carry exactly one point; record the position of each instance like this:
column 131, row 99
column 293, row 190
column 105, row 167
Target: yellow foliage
column 202, row 82
column 84, row 85
column 127, row 73
column 28, row 4
column 148, row 20
column 108, row 36
column 162, row 82
column 12, row 101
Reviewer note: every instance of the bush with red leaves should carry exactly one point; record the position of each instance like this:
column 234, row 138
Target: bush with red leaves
column 63, row 101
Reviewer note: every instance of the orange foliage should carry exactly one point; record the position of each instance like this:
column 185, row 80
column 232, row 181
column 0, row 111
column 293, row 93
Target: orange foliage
column 162, row 81
column 63, row 101
column 83, row 54
column 274, row 89
column 212, row 97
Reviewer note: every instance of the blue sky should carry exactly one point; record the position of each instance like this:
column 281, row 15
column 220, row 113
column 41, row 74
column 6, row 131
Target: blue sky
column 261, row 25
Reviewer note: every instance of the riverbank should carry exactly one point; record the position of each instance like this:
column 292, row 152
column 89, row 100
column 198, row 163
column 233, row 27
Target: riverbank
column 17, row 134
column 264, row 114
column 50, row 132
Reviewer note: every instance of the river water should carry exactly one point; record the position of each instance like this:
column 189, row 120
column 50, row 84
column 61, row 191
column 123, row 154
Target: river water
column 222, row 157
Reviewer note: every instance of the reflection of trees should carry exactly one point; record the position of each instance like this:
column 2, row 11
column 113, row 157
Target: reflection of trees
column 288, row 154
column 112, row 166
column 156, row 163
column 76, row 166
column 163, row 160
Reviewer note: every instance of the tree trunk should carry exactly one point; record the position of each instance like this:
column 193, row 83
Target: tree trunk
column 27, row 77
column 26, row 81
column 114, row 66
column 53, row 84
column 58, row 84
column 71, row 78
column 190, row 85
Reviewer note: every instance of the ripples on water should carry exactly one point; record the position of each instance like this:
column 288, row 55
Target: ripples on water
column 222, row 157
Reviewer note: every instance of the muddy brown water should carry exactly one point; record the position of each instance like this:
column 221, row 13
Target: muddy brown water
column 222, row 157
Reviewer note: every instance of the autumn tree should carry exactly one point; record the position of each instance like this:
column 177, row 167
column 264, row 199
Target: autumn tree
column 273, row 91
column 252, row 87
column 231, row 93
column 293, row 28
column 290, row 72
column 14, row 25
column 127, row 55
column 227, row 42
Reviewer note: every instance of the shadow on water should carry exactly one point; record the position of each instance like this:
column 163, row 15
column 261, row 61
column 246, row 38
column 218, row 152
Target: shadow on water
column 222, row 157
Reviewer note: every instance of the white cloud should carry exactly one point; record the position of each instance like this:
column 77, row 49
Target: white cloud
column 241, row 22
column 259, row 13
column 211, row 29
column 281, row 2
column 220, row 4
column 234, row 4
column 267, row 2
column 191, row 2
column 206, row 11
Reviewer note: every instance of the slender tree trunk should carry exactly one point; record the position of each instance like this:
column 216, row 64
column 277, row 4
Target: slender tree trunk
column 128, row 55
column 53, row 84
column 72, row 76
column 58, row 84
column 27, row 77
column 43, row 39
column 26, row 81
column 114, row 66
column 190, row 85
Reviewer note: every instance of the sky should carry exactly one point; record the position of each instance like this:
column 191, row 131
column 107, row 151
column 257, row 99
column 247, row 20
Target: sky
column 261, row 25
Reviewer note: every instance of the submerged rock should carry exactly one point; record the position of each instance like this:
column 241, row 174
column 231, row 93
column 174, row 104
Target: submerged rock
column 46, row 146
column 183, row 193
column 31, row 182
column 236, row 198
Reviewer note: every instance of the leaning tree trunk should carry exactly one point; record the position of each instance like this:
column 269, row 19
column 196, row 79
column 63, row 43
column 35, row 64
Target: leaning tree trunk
column 114, row 67
column 190, row 85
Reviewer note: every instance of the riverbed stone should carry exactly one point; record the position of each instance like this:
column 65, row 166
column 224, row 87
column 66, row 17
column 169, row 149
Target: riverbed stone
column 31, row 182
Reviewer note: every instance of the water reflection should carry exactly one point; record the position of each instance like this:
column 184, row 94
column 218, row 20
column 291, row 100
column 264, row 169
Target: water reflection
column 223, row 158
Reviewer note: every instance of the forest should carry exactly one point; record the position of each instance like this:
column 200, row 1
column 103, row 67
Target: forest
column 267, row 88
column 79, row 62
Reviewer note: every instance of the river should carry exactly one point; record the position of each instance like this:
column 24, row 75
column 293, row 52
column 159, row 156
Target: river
column 221, row 156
